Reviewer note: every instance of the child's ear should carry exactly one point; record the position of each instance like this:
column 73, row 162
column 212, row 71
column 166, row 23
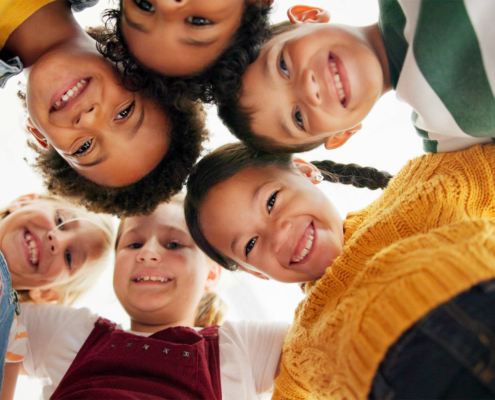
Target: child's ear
column 20, row 201
column 44, row 295
column 213, row 277
column 339, row 139
column 40, row 138
column 309, row 170
column 254, row 273
column 302, row 14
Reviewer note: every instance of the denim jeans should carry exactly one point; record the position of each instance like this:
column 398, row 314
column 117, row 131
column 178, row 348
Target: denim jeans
column 7, row 309
column 448, row 354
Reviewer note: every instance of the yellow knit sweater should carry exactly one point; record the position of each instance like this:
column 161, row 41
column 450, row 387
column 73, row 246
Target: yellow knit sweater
column 429, row 237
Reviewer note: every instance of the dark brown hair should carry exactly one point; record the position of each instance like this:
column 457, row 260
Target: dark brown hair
column 230, row 159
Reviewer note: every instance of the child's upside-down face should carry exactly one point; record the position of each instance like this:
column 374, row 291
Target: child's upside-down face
column 108, row 134
column 179, row 37
column 273, row 222
column 314, row 82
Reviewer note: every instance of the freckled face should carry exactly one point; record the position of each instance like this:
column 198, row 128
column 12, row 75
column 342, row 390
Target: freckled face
column 190, row 34
column 77, row 104
column 44, row 245
column 265, row 220
column 311, row 83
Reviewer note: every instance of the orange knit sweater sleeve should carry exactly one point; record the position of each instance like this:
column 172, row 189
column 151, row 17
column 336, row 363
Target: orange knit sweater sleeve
column 430, row 236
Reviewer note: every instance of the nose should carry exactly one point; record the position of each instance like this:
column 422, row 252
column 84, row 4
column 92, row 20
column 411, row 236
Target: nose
column 310, row 90
column 150, row 252
column 169, row 6
column 280, row 234
column 86, row 117
column 54, row 243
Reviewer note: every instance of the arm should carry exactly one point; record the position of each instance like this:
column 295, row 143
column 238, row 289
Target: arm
column 9, row 380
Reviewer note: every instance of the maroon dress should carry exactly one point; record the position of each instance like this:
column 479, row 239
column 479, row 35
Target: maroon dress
column 175, row 363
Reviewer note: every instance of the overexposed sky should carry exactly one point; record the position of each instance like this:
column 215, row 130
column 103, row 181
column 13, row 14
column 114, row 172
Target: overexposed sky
column 386, row 142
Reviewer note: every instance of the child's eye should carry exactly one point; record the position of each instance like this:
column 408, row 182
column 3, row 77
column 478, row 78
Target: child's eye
column 125, row 113
column 298, row 118
column 83, row 150
column 282, row 65
column 173, row 245
column 198, row 21
column 135, row 246
column 271, row 202
column 250, row 245
column 145, row 5
column 59, row 221
column 68, row 258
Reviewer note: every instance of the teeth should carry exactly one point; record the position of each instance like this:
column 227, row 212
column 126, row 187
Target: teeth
column 307, row 248
column 338, row 82
column 152, row 278
column 71, row 93
column 65, row 97
column 33, row 248
column 79, row 84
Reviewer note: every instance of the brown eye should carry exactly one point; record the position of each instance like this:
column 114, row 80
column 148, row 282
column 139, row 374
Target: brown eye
column 271, row 202
column 250, row 245
column 198, row 21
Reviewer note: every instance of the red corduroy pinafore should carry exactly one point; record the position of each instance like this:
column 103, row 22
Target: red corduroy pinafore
column 175, row 363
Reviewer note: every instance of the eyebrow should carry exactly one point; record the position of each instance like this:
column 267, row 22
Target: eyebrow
column 135, row 25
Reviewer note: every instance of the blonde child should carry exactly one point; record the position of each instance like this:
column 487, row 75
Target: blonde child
column 415, row 268
column 174, row 348
column 50, row 252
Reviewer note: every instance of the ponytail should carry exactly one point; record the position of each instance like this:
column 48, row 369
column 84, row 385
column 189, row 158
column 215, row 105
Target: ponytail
column 211, row 311
column 352, row 174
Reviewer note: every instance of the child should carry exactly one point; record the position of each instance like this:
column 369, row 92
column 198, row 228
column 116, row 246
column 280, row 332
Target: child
column 426, row 240
column 103, row 145
column 212, row 43
column 160, row 279
column 325, row 78
column 50, row 251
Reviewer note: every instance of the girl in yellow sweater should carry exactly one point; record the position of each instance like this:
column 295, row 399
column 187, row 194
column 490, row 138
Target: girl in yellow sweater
column 404, row 309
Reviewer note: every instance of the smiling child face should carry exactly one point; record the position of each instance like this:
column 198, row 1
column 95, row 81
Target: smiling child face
column 179, row 37
column 45, row 244
column 77, row 104
column 160, row 274
column 313, row 82
column 275, row 222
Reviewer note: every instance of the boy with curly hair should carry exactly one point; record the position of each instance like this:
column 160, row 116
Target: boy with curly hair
column 109, row 148
column 316, row 83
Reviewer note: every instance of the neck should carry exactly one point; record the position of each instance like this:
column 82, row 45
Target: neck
column 58, row 27
column 374, row 37
column 139, row 326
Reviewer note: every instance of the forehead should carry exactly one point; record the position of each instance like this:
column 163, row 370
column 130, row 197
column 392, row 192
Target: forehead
column 166, row 216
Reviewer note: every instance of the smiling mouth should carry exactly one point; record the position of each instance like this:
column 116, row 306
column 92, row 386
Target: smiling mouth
column 305, row 245
column 71, row 94
column 33, row 249
column 151, row 278
column 337, row 80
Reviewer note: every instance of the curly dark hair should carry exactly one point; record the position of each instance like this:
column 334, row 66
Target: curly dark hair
column 218, row 81
column 228, row 160
column 142, row 197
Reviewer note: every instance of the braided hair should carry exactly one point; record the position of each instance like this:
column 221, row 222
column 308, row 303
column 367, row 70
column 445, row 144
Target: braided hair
column 353, row 174
column 228, row 160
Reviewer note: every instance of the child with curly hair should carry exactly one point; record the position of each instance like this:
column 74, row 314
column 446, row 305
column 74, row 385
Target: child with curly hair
column 400, row 296
column 174, row 348
column 323, row 79
column 107, row 147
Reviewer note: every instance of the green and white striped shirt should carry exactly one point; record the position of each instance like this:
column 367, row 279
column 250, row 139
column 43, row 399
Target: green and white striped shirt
column 441, row 55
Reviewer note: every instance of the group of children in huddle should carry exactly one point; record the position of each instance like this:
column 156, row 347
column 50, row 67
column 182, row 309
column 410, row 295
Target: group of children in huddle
column 399, row 295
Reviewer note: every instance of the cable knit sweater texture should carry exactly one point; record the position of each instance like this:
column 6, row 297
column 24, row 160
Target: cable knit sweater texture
column 429, row 237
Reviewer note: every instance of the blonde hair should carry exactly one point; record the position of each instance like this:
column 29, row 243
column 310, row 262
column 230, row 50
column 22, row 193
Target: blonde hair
column 68, row 293
column 211, row 308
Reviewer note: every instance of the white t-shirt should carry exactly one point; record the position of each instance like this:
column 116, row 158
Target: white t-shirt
column 249, row 351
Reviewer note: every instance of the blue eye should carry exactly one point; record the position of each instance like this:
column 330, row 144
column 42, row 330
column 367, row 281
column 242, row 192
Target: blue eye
column 68, row 258
column 250, row 245
column 125, row 113
column 271, row 202
column 173, row 245
column 145, row 5
column 282, row 65
column 298, row 118
column 59, row 221
column 198, row 21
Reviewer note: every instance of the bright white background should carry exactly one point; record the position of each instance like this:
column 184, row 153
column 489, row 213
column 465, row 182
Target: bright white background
column 386, row 142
